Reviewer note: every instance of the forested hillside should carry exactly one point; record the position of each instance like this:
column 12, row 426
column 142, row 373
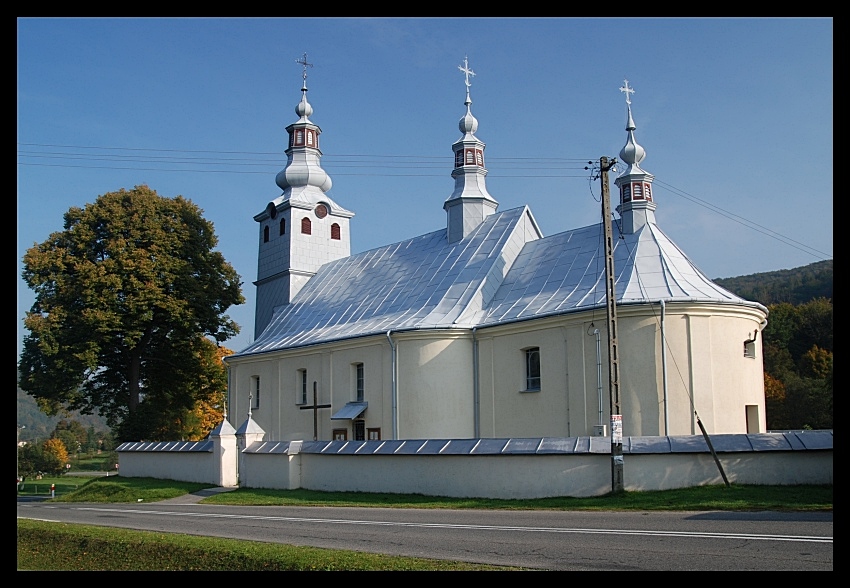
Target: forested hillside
column 797, row 343
column 795, row 286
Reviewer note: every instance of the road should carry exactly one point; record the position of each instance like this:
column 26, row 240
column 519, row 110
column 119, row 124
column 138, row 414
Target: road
column 552, row 540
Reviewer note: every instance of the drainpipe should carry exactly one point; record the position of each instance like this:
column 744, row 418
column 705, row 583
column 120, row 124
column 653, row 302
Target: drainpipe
column 595, row 333
column 394, row 383
column 664, row 371
column 476, row 402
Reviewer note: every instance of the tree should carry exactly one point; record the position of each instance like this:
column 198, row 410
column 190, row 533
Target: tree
column 54, row 457
column 128, row 297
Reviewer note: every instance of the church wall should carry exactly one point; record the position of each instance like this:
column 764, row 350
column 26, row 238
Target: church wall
column 509, row 409
column 704, row 355
column 435, row 385
column 377, row 386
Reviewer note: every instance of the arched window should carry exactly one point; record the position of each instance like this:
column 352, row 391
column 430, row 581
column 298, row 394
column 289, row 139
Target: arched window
column 310, row 138
column 458, row 158
column 335, row 232
column 283, row 226
column 306, row 227
column 265, row 234
column 469, row 157
column 480, row 158
column 299, row 137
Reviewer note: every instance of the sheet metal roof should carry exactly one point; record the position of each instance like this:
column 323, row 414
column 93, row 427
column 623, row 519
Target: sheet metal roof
column 725, row 443
column 502, row 272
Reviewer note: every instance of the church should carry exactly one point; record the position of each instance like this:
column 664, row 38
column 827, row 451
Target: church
column 485, row 327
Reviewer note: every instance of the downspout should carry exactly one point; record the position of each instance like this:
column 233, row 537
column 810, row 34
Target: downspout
column 394, row 383
column 664, row 371
column 476, row 402
column 599, row 375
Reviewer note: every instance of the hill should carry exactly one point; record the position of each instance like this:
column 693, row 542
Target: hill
column 39, row 426
column 796, row 286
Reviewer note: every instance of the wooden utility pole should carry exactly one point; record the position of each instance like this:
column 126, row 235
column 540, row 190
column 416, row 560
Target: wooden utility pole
column 617, row 484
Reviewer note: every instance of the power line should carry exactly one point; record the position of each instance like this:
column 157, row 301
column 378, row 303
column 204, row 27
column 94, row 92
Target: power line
column 230, row 162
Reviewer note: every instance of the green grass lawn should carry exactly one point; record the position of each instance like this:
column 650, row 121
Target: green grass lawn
column 720, row 497
column 44, row 546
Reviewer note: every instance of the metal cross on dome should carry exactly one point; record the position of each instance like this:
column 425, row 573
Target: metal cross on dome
column 467, row 72
column 303, row 62
column 626, row 90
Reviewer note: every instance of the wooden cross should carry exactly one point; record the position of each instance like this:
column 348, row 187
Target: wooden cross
column 626, row 90
column 315, row 408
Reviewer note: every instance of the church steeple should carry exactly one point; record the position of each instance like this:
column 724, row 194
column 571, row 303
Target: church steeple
column 470, row 203
column 303, row 228
column 636, row 207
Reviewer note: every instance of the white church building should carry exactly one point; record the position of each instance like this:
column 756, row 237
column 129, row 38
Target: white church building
column 484, row 328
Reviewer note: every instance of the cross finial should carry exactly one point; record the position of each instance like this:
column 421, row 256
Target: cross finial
column 467, row 72
column 626, row 90
column 250, row 398
column 303, row 62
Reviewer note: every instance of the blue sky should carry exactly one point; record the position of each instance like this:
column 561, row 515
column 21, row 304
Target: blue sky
column 736, row 116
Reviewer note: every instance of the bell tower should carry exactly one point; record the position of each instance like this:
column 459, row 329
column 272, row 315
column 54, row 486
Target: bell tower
column 303, row 228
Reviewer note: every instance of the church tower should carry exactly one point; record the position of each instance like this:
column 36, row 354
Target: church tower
column 303, row 228
column 636, row 207
column 470, row 203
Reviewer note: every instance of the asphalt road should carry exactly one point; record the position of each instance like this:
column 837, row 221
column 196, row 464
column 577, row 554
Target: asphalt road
column 552, row 540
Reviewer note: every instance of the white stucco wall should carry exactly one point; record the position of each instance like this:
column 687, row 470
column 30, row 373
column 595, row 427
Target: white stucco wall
column 532, row 476
column 190, row 466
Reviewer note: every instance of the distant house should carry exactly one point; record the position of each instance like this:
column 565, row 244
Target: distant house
column 484, row 328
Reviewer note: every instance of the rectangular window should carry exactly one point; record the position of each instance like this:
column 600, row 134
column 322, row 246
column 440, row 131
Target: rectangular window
column 302, row 387
column 340, row 434
column 358, row 382
column 373, row 434
column 255, row 392
column 750, row 348
column 359, row 430
column 532, row 369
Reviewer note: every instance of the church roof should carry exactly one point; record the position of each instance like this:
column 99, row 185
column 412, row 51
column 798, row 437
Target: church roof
column 503, row 272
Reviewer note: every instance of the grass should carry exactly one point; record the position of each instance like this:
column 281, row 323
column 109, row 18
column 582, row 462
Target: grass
column 734, row 497
column 46, row 546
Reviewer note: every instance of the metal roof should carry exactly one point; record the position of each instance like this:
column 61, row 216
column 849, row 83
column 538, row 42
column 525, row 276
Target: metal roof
column 722, row 443
column 502, row 272
column 351, row 410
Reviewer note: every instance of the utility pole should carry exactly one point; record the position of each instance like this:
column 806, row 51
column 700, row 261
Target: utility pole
column 617, row 484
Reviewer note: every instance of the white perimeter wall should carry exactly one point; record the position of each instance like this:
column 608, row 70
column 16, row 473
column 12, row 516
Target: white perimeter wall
column 527, row 476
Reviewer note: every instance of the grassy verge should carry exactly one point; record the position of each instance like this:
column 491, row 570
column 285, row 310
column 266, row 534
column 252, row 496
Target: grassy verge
column 46, row 546
column 734, row 497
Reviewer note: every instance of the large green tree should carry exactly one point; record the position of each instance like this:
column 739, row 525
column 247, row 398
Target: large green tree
column 129, row 297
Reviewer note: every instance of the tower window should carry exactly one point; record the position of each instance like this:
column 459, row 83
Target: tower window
column 470, row 157
column 306, row 226
column 647, row 191
column 265, row 234
column 479, row 157
column 335, row 232
column 626, row 192
column 310, row 138
column 283, row 226
column 637, row 191
column 299, row 137
column 458, row 158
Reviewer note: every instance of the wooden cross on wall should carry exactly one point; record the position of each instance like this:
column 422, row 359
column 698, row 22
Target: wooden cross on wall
column 315, row 408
